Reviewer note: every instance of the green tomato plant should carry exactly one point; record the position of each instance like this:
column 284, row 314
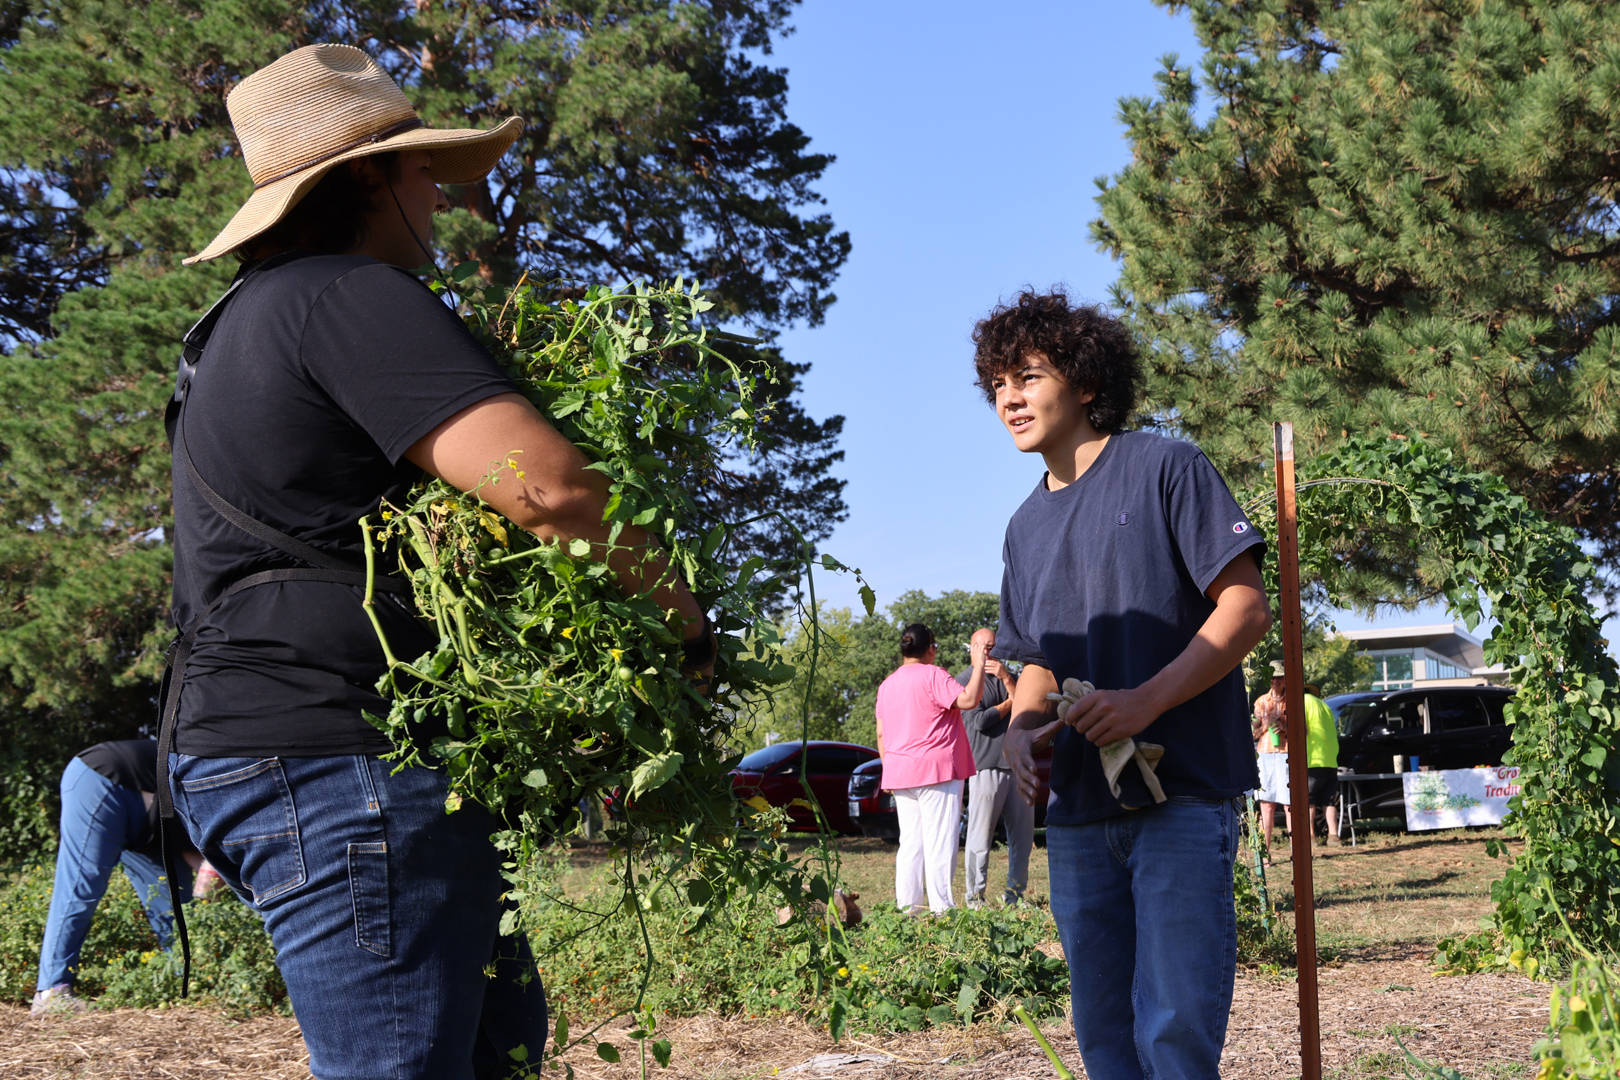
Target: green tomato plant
column 548, row 684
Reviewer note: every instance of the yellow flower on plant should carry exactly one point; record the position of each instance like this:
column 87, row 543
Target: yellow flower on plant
column 843, row 973
column 568, row 632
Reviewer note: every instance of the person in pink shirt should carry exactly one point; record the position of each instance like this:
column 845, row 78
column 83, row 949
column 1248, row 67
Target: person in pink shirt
column 926, row 757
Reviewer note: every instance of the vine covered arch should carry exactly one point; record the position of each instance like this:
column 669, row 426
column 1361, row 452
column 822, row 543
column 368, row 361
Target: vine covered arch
column 1377, row 516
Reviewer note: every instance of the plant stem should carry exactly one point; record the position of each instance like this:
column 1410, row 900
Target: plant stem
column 1057, row 1062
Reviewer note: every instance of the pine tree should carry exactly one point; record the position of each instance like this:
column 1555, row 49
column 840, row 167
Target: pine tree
column 1400, row 218
column 657, row 146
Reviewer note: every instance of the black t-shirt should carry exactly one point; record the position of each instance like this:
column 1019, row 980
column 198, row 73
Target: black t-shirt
column 1104, row 581
column 321, row 373
column 132, row 763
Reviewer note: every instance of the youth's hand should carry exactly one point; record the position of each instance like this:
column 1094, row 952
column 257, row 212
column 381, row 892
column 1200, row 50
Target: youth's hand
column 1019, row 748
column 1107, row 716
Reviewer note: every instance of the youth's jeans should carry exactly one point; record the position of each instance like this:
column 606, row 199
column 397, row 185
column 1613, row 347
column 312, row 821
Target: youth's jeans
column 383, row 909
column 101, row 820
column 1143, row 904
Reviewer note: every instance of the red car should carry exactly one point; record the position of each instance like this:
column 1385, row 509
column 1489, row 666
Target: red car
column 773, row 773
column 872, row 808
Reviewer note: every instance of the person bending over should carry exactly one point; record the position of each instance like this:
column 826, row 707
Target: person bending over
column 1131, row 567
column 109, row 818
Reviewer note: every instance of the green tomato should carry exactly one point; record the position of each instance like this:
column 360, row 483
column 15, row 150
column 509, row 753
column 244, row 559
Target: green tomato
column 624, row 674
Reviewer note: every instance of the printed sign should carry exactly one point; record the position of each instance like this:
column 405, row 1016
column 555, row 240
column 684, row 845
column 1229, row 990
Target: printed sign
column 1456, row 797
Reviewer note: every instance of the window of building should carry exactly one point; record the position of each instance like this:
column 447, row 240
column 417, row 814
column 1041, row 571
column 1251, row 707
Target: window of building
column 1392, row 670
column 1436, row 666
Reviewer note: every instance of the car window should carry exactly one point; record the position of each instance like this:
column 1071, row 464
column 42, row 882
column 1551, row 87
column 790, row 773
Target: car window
column 1405, row 714
column 1493, row 709
column 770, row 757
column 1352, row 715
column 836, row 759
column 831, row 759
column 1455, row 712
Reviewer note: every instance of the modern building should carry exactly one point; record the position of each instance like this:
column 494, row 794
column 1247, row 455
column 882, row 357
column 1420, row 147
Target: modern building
column 1409, row 656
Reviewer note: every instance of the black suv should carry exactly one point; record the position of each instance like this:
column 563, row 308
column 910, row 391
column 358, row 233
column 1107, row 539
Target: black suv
column 1444, row 727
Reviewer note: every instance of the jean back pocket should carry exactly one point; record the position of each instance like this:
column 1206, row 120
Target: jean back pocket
column 250, row 817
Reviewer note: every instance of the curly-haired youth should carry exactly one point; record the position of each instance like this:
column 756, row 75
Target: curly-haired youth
column 1092, row 349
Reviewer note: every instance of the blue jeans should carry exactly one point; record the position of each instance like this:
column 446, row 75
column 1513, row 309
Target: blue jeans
column 1143, row 903
column 101, row 820
column 383, row 909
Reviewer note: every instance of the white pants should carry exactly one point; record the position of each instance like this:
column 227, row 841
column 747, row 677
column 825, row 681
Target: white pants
column 993, row 795
column 930, row 822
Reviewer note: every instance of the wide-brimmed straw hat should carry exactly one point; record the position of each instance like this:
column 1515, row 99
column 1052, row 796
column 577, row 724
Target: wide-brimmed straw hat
column 320, row 106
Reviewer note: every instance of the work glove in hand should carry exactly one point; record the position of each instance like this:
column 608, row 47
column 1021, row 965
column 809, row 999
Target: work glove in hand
column 1117, row 754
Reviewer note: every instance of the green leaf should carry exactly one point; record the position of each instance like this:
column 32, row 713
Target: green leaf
column 579, row 547
column 837, row 1018
column 967, row 999
column 655, row 772
column 461, row 273
column 661, row 1053
column 519, row 1053
column 561, row 1035
column 608, row 1052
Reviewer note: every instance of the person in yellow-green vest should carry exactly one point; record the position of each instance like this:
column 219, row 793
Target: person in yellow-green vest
column 1322, row 761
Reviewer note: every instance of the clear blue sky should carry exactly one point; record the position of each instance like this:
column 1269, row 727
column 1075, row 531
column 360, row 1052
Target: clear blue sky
column 968, row 137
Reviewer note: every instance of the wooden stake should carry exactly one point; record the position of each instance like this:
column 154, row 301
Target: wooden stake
column 1310, row 1022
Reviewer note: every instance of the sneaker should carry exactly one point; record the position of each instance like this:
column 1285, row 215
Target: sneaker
column 58, row 999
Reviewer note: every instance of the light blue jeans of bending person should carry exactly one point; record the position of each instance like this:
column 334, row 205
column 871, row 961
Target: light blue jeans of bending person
column 1143, row 904
column 101, row 821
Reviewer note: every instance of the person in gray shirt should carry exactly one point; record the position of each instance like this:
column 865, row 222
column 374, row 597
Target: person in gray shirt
column 992, row 791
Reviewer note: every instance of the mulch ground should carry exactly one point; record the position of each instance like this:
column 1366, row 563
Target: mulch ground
column 1482, row 1025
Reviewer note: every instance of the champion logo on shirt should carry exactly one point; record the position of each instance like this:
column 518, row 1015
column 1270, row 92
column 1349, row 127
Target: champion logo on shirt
column 1241, row 527
column 1123, row 519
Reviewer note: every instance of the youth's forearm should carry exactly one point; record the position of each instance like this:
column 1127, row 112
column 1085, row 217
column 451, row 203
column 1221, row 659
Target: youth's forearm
column 1240, row 620
column 1029, row 707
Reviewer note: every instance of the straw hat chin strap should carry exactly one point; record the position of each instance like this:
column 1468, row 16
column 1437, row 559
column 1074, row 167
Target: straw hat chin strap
column 406, row 219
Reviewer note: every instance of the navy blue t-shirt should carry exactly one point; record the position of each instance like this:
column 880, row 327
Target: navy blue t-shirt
column 1104, row 580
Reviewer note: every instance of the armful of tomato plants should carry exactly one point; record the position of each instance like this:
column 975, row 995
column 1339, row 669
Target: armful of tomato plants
column 549, row 683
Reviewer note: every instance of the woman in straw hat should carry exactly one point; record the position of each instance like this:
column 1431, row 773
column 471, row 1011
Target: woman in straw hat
column 330, row 379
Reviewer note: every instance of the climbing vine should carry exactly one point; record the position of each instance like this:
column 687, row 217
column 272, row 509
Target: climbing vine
column 1462, row 535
